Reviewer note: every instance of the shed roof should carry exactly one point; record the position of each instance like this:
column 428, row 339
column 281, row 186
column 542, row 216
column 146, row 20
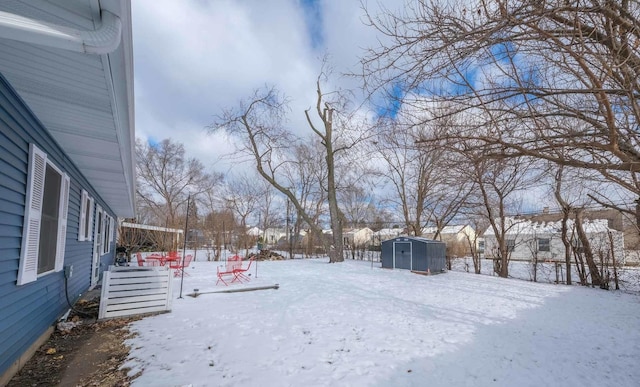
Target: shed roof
column 71, row 61
column 412, row 238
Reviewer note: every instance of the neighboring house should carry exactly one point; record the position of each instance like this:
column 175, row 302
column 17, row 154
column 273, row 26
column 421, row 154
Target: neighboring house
column 527, row 240
column 456, row 237
column 273, row 235
column 385, row 234
column 195, row 238
column 358, row 238
column 616, row 220
column 254, row 232
column 66, row 159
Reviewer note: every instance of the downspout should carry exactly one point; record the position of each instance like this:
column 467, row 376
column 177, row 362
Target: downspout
column 104, row 40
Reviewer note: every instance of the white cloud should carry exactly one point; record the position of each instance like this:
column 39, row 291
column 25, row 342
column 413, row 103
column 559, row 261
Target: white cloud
column 194, row 57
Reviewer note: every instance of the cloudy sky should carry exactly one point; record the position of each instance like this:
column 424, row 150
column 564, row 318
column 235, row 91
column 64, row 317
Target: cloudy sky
column 195, row 57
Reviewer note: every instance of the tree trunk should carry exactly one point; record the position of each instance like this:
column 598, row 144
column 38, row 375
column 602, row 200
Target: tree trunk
column 596, row 277
column 566, row 243
column 566, row 211
column 580, row 267
column 613, row 261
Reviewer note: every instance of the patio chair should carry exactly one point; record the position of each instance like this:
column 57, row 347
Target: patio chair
column 140, row 260
column 180, row 264
column 230, row 269
column 239, row 272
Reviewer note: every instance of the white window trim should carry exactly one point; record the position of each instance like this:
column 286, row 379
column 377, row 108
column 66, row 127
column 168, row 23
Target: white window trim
column 105, row 233
column 86, row 203
column 29, row 251
column 62, row 222
column 91, row 226
column 547, row 244
column 111, row 222
column 99, row 217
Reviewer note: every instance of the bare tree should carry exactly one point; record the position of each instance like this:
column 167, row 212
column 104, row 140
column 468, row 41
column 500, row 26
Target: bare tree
column 356, row 203
column 497, row 182
column 242, row 197
column 212, row 201
column 266, row 205
column 572, row 203
column 130, row 238
column 259, row 123
column 410, row 169
column 568, row 72
column 566, row 209
column 166, row 177
column 478, row 223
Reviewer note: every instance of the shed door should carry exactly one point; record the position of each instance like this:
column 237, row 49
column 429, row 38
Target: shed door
column 402, row 255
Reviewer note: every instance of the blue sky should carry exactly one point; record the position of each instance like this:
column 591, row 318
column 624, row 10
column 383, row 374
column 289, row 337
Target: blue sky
column 313, row 18
column 192, row 58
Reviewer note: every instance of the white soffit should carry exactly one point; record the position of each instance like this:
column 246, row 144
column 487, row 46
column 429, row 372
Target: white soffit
column 71, row 62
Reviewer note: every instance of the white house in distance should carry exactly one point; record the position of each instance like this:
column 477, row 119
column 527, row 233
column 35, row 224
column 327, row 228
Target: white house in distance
column 456, row 237
column 358, row 237
column 254, row 231
column 527, row 240
column 385, row 234
column 272, row 235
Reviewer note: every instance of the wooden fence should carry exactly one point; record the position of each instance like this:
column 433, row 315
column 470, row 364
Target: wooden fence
column 134, row 290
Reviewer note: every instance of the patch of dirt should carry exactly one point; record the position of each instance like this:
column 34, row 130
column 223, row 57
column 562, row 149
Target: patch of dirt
column 80, row 352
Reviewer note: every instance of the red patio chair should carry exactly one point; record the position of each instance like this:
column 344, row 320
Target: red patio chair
column 140, row 260
column 233, row 264
column 239, row 272
column 180, row 264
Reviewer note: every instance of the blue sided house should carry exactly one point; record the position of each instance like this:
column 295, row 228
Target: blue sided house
column 66, row 159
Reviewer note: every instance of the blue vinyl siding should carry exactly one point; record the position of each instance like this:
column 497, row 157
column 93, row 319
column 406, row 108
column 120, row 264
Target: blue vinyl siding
column 27, row 311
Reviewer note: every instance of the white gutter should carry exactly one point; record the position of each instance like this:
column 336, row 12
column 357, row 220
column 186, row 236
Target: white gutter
column 149, row 227
column 103, row 40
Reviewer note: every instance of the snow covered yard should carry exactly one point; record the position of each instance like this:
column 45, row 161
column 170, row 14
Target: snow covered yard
column 350, row 325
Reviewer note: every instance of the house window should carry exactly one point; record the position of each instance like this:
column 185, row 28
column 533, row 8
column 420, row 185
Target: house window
column 511, row 245
column 86, row 217
column 480, row 247
column 49, row 220
column 107, row 233
column 544, row 244
column 45, row 220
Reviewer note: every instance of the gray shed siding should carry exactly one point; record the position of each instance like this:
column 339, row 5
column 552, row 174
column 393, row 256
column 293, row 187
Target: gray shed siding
column 27, row 311
column 413, row 253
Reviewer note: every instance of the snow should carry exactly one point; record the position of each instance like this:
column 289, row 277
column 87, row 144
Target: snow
column 516, row 226
column 628, row 276
column 351, row 324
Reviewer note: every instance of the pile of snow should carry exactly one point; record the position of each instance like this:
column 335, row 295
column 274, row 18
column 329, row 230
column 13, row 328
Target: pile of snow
column 349, row 324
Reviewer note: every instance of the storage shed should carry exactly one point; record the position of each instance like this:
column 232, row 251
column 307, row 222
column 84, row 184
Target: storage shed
column 414, row 253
